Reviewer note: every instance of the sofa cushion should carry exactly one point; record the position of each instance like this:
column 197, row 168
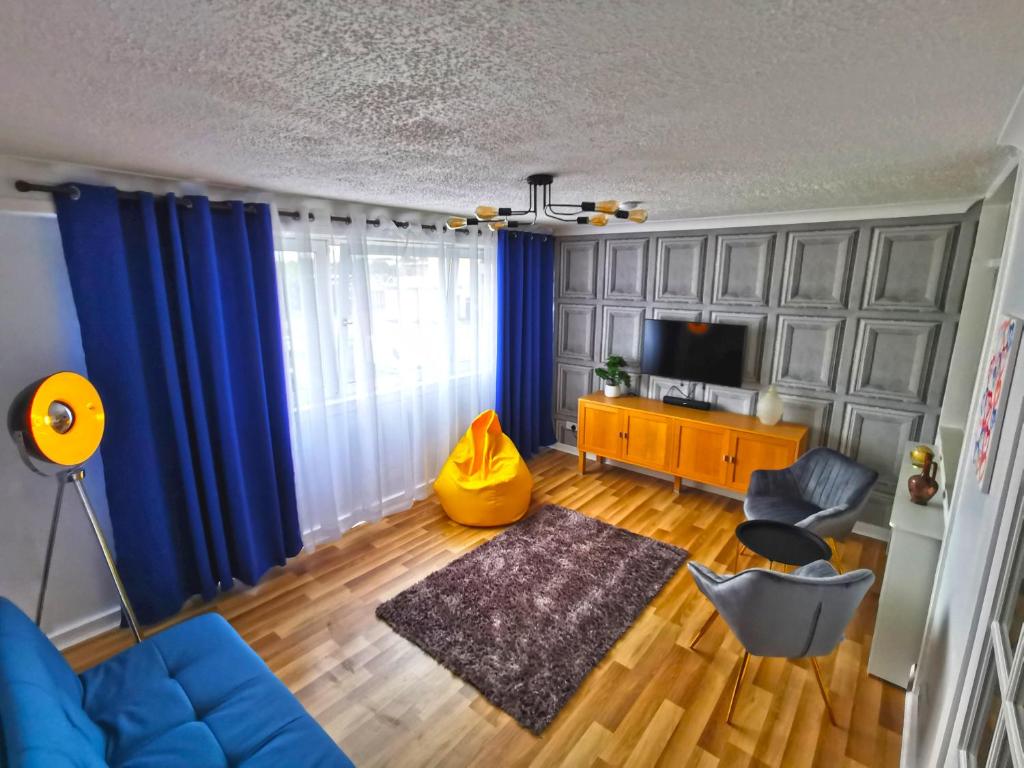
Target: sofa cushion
column 41, row 701
column 196, row 694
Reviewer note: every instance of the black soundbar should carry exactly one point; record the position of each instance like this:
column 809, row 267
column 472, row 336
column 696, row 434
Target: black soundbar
column 686, row 401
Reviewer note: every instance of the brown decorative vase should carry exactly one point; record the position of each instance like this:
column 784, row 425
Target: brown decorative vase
column 923, row 486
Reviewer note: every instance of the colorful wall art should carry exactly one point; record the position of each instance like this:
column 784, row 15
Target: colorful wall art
column 996, row 384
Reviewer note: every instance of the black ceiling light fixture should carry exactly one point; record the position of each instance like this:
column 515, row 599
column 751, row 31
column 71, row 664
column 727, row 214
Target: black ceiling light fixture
column 596, row 213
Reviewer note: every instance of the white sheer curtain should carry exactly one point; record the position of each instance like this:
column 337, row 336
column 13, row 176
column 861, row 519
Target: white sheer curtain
column 390, row 348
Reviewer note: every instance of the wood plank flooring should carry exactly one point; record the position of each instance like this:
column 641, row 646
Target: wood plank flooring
column 650, row 702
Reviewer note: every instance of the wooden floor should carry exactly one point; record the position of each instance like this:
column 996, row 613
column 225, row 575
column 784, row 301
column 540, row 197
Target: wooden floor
column 650, row 702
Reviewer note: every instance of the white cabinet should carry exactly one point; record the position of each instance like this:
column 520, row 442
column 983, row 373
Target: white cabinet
column 916, row 538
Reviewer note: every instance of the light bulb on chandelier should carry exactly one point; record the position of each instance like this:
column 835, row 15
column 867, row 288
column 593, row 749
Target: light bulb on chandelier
column 541, row 204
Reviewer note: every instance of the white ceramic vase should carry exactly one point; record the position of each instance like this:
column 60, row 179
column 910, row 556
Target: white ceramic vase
column 769, row 406
column 612, row 390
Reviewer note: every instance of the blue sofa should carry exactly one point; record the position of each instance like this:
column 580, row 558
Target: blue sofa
column 192, row 695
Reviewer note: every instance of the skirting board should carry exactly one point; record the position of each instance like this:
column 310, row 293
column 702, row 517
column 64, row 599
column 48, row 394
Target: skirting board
column 864, row 529
column 81, row 631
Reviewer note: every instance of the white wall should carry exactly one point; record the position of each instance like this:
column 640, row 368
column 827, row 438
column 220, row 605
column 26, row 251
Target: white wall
column 39, row 335
column 957, row 617
column 978, row 295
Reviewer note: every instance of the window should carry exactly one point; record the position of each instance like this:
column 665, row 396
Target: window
column 390, row 337
column 422, row 322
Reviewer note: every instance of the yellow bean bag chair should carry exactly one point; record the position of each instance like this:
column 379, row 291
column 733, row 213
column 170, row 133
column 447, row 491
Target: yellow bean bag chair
column 485, row 481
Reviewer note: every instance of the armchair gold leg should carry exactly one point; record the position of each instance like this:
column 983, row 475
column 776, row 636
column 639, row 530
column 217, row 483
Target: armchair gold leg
column 824, row 691
column 736, row 690
column 837, row 555
column 740, row 549
column 703, row 628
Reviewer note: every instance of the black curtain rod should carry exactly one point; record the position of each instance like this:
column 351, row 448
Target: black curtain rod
column 74, row 193
column 370, row 222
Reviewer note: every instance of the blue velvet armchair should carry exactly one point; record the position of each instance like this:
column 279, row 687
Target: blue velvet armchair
column 824, row 492
column 795, row 615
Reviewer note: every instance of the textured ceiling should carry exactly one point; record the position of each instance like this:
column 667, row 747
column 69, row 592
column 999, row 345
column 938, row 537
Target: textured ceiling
column 697, row 108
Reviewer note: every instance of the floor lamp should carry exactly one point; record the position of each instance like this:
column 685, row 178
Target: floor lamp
column 58, row 421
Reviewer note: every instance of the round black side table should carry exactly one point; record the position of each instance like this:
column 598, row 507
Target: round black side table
column 781, row 543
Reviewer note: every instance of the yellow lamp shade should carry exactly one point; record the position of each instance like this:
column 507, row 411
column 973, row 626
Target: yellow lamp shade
column 486, row 211
column 638, row 215
column 456, row 222
column 61, row 418
column 599, row 220
column 494, row 226
column 607, row 206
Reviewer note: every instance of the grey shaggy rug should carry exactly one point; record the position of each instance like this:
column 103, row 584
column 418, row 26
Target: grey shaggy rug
column 526, row 616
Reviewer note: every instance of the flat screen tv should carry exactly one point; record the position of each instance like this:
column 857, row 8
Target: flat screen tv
column 708, row 352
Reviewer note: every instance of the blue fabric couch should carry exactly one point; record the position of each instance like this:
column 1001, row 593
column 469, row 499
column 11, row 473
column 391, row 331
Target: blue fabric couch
column 192, row 695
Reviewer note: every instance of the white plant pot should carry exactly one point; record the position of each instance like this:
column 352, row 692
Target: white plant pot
column 612, row 390
column 769, row 407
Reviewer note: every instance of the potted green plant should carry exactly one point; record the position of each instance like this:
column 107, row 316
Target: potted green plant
column 616, row 380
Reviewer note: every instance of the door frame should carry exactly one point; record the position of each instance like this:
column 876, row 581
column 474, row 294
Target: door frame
column 1005, row 565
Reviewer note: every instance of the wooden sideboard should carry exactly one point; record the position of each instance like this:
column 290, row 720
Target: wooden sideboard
column 710, row 447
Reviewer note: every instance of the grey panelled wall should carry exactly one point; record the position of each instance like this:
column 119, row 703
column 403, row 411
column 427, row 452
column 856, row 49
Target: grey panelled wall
column 853, row 321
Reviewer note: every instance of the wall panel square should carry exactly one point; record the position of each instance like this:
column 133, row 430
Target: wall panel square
column 816, row 272
column 658, row 387
column 908, row 267
column 731, row 400
column 571, row 383
column 812, row 412
column 565, row 432
column 576, row 326
column 685, row 315
column 622, row 330
column 876, row 437
column 743, row 265
column 807, row 352
column 893, row 358
column 625, row 270
column 577, row 270
column 679, row 269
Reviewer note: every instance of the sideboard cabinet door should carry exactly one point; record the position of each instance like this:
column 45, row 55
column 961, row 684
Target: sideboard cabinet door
column 601, row 430
column 648, row 440
column 750, row 451
column 703, row 452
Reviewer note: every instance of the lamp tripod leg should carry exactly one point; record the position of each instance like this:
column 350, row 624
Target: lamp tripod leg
column 62, row 480
column 77, row 477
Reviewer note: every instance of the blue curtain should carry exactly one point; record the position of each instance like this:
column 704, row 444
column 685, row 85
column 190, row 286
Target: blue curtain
column 525, row 376
column 178, row 309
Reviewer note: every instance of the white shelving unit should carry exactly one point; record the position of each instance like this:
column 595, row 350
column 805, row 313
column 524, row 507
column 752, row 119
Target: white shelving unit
column 916, row 538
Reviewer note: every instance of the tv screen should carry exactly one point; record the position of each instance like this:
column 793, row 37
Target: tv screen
column 708, row 352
